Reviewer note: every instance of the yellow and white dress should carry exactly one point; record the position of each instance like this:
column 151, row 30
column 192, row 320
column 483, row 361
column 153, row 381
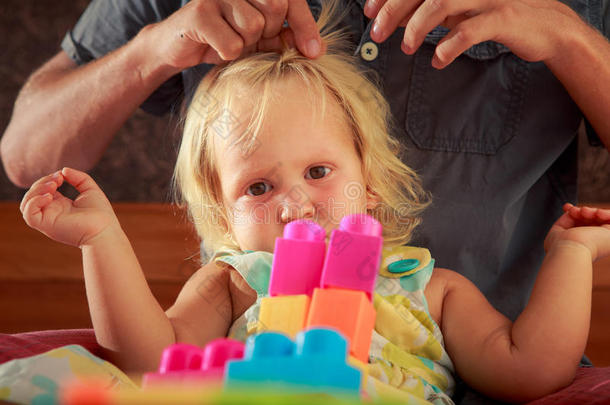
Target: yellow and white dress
column 407, row 358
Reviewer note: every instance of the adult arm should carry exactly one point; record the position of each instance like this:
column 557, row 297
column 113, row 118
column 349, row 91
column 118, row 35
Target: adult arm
column 66, row 115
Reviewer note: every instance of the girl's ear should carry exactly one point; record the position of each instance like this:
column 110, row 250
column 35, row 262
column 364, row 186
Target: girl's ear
column 372, row 199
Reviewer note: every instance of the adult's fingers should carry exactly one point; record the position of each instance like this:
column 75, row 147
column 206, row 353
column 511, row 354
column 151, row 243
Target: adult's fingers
column 306, row 33
column 390, row 16
column 274, row 13
column 245, row 19
column 276, row 44
column 218, row 33
column 372, row 7
column 469, row 32
column 432, row 13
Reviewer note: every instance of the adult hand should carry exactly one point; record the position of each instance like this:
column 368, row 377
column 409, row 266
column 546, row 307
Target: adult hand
column 212, row 31
column 532, row 29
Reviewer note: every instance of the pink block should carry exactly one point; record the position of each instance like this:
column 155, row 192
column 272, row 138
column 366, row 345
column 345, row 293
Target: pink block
column 297, row 259
column 183, row 363
column 354, row 254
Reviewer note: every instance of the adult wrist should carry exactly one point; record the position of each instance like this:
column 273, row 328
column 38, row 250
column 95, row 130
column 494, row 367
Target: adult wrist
column 569, row 47
column 149, row 63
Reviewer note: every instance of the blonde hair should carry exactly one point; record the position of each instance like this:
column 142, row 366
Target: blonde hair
column 196, row 181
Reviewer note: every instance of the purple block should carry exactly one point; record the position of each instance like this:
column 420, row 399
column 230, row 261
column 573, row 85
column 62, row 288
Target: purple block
column 354, row 254
column 297, row 259
column 183, row 363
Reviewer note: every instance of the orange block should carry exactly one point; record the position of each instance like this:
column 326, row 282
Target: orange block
column 348, row 311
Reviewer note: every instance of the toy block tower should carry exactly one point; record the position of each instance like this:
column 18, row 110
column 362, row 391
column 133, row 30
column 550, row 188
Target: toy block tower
column 185, row 364
column 295, row 273
column 347, row 283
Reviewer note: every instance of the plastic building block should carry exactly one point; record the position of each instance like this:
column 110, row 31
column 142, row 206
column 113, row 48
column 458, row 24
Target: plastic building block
column 285, row 314
column 89, row 393
column 354, row 254
column 360, row 365
column 315, row 362
column 297, row 259
column 348, row 311
column 182, row 363
column 92, row 393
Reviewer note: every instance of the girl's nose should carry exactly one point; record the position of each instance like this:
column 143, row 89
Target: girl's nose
column 292, row 209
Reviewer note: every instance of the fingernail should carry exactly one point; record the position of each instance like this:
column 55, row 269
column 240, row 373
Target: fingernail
column 368, row 8
column 56, row 174
column 313, row 48
column 376, row 31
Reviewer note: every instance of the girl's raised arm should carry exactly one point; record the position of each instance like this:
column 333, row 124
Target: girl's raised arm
column 539, row 353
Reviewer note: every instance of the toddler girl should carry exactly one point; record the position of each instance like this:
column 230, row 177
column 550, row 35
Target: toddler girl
column 270, row 138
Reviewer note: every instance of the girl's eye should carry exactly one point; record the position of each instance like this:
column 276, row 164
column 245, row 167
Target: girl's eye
column 317, row 172
column 259, row 188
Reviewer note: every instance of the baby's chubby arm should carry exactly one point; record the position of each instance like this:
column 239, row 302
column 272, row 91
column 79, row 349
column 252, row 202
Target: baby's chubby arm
column 538, row 353
column 208, row 304
column 128, row 321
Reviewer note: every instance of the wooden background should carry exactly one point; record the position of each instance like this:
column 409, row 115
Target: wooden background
column 42, row 287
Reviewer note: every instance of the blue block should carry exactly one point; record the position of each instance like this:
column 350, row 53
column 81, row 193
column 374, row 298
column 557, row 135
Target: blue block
column 315, row 361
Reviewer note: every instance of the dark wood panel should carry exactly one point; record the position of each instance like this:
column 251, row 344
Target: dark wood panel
column 166, row 245
column 41, row 305
column 41, row 283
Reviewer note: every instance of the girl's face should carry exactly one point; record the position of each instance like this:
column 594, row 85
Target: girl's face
column 304, row 165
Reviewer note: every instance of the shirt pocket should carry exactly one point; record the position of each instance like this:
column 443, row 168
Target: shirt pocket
column 474, row 105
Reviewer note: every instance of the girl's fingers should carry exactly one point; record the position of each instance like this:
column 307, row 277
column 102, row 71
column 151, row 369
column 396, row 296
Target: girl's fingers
column 32, row 213
column 604, row 215
column 46, row 184
column 588, row 213
column 80, row 180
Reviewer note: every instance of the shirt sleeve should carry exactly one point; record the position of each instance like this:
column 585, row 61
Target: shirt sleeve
column 109, row 24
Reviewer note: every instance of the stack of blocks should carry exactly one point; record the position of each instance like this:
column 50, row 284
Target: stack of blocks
column 320, row 298
column 309, row 288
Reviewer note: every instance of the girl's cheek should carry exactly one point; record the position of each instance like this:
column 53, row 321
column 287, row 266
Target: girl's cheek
column 252, row 213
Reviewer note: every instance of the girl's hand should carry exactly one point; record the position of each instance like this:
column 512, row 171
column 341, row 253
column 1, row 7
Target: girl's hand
column 75, row 223
column 585, row 225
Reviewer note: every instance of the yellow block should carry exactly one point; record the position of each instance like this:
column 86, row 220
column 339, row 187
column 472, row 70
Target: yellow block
column 286, row 314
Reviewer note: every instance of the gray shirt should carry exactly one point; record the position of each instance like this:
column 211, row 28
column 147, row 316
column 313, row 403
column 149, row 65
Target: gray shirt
column 492, row 136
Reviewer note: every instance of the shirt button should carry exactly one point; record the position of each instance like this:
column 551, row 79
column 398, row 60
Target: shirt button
column 369, row 51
